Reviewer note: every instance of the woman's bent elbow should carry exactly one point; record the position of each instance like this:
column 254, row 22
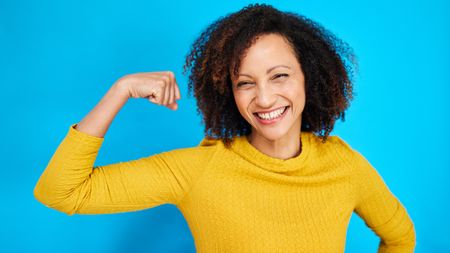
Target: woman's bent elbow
column 50, row 200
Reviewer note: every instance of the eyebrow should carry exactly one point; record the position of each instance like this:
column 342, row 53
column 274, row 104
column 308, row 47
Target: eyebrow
column 268, row 70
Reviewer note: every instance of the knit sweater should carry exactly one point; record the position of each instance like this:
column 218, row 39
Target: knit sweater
column 236, row 199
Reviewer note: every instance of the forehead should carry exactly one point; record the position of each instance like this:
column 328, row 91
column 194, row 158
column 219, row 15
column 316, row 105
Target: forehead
column 268, row 50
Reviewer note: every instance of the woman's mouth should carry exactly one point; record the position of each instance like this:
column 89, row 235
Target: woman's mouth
column 271, row 117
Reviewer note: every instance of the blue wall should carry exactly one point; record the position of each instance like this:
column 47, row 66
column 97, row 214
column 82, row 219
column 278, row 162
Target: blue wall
column 58, row 58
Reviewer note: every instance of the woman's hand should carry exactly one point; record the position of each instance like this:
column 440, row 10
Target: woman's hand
column 158, row 87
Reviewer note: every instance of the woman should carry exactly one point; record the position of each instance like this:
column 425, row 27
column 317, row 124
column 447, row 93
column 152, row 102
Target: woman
column 261, row 180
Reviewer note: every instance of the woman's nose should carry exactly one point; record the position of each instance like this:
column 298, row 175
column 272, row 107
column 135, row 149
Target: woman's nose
column 265, row 97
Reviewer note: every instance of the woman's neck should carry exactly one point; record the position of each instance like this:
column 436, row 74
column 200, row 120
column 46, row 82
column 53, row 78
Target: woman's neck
column 284, row 148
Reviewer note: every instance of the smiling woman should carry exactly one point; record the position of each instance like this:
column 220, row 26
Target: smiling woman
column 271, row 98
column 267, row 177
column 249, row 50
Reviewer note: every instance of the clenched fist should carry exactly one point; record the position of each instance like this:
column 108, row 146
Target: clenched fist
column 158, row 87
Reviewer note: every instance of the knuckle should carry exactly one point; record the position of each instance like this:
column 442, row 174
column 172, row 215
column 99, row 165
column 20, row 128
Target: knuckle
column 166, row 79
column 160, row 82
column 170, row 74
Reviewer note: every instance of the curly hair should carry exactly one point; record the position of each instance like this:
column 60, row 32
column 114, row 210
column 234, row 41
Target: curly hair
column 214, row 58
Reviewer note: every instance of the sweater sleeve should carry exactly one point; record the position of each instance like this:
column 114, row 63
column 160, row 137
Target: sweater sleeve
column 381, row 210
column 71, row 184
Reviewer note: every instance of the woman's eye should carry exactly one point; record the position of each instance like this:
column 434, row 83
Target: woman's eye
column 280, row 75
column 242, row 84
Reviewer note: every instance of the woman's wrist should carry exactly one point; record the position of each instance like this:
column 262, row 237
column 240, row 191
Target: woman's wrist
column 122, row 89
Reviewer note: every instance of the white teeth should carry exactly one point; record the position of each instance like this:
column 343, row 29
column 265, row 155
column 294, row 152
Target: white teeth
column 272, row 115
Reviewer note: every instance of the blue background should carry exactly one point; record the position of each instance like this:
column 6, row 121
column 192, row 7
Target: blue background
column 58, row 58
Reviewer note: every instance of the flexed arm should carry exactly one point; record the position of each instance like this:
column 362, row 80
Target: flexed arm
column 158, row 87
column 71, row 184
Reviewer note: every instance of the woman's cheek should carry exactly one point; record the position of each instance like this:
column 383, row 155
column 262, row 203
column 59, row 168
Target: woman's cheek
column 242, row 102
column 296, row 86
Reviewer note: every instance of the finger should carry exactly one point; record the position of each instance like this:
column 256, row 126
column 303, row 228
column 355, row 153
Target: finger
column 155, row 96
column 177, row 89
column 159, row 89
column 171, row 89
column 166, row 91
column 172, row 94
column 173, row 106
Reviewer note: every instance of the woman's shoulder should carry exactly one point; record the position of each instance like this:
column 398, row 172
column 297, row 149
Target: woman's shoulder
column 211, row 142
column 203, row 151
column 336, row 144
column 332, row 141
column 340, row 143
column 207, row 142
column 351, row 155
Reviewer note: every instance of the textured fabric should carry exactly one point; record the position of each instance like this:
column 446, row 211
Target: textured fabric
column 238, row 199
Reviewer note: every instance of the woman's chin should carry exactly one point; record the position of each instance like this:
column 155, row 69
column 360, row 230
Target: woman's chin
column 270, row 134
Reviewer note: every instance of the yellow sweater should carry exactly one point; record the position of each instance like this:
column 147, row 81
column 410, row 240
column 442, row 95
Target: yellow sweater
column 239, row 199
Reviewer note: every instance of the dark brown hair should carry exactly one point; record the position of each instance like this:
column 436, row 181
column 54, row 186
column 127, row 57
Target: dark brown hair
column 326, row 61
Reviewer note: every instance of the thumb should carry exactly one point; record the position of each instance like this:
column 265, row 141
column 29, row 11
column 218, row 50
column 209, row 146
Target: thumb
column 173, row 106
column 153, row 99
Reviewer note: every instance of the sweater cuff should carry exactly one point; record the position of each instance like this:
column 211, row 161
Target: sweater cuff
column 80, row 137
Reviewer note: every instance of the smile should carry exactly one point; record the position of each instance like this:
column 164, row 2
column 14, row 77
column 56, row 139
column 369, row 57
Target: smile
column 271, row 117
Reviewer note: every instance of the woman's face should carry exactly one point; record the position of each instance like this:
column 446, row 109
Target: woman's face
column 269, row 90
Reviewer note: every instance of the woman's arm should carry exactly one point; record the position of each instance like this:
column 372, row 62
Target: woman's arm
column 381, row 210
column 71, row 184
column 98, row 120
column 158, row 87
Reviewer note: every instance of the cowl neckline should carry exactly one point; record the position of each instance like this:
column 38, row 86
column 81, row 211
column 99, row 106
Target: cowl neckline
column 244, row 148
